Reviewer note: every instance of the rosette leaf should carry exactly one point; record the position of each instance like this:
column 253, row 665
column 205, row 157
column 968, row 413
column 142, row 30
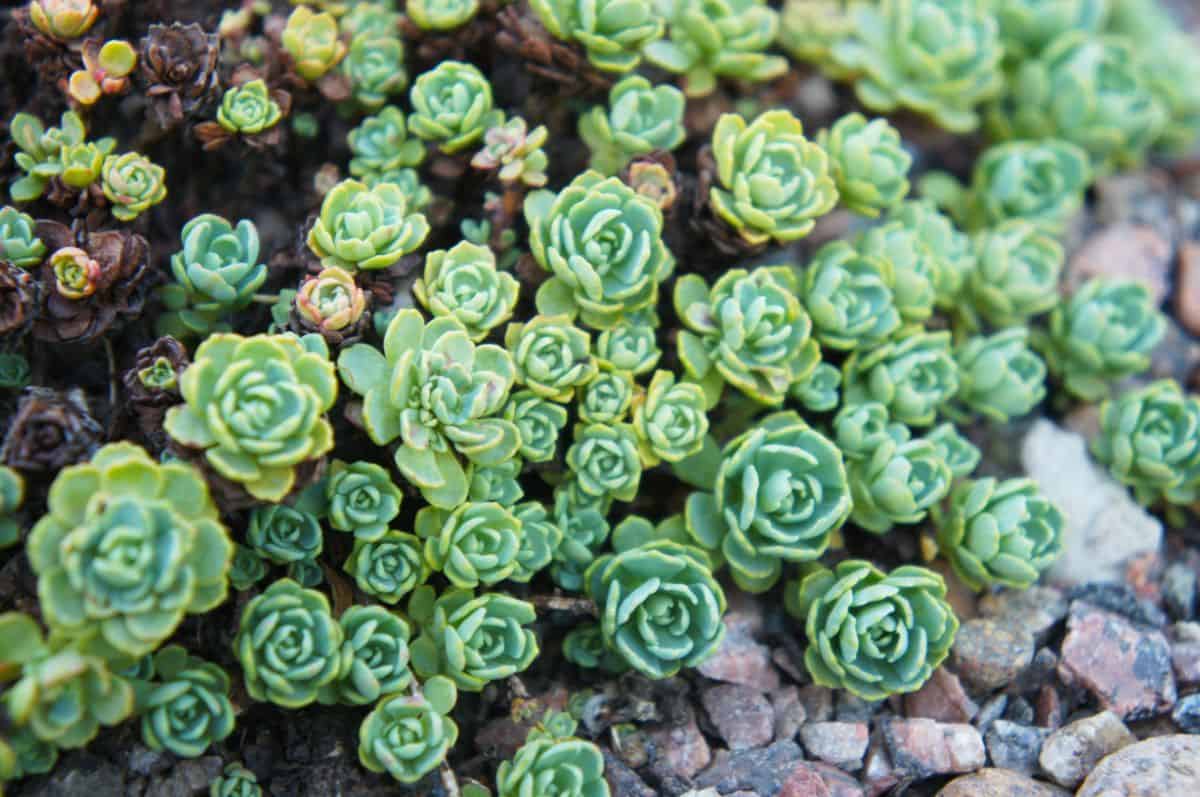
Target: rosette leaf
column 312, row 40
column 374, row 657
column 374, row 66
column 631, row 345
column 380, row 144
column 999, row 376
column 540, row 538
column 552, row 356
column 132, row 183
column 471, row 639
column 247, row 569
column 583, row 520
column 868, row 162
column 248, row 109
column 408, row 736
column 1015, row 276
column 388, row 568
column 862, row 428
column 959, row 453
column 463, row 283
column 235, row 781
column 539, row 421
column 946, row 250
column 217, row 271
column 848, row 296
column 19, row 243
column 913, row 377
column 584, row 646
column 361, row 498
column 608, row 397
column 640, row 119
column 1028, row 26
column 476, row 543
column 611, row 32
column 187, row 710
column 818, row 391
column 362, row 228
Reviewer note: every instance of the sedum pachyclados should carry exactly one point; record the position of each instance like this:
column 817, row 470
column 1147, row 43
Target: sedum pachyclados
column 452, row 106
column 868, row 162
column 374, row 657
column 408, row 736
column 1015, row 276
column 361, row 499
column 848, row 296
column 552, row 356
column 911, row 376
column 187, row 708
column 464, row 283
column 361, row 228
column 640, row 118
column 390, row 567
column 611, row 32
column 999, row 376
column 476, row 543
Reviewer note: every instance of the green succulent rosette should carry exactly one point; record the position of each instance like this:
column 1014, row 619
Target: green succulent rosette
column 959, row 453
column 872, row 633
column 772, row 182
column 897, row 484
column 1089, row 90
column 868, row 163
column 860, row 428
column 583, row 520
column 440, row 395
column 499, row 483
column 539, row 421
column 441, row 15
column 83, row 163
column 1015, row 278
column 605, row 461
column 187, row 709
column 380, row 144
column 408, row 181
column 660, row 607
column 360, row 228
column 306, row 573
column 938, row 58
column 808, row 29
column 999, row 532
column 1171, row 67
column 631, row 345
column 552, row 355
column 247, row 569
column 235, row 781
column 914, row 267
column 584, row 646
column 12, row 495
column 374, row 65
column 947, row 251
column 284, row 534
column 452, row 106
column 568, row 767
column 248, row 109
column 848, row 296
column 408, row 736
column 256, row 407
column 374, row 657
column 23, row 754
column 1104, row 332
column 1150, row 441
column 711, row 39
column 603, row 243
column 361, row 498
column 463, row 283
column 608, row 397
column 19, row 243
column 312, row 40
column 475, row 543
column 472, row 640
column 390, row 567
column 540, row 538
column 999, row 376
column 133, row 184
column 1027, row 27
column 126, row 548
column 288, row 644
column 611, row 32
column 780, row 494
column 39, row 151
column 375, row 18
column 670, row 419
column 818, row 392
column 912, row 376
column 749, row 330
column 640, row 118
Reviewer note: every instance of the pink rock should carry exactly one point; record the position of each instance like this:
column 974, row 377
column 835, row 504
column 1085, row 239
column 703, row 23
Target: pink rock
column 1166, row 766
column 740, row 659
column 804, row 782
column 842, row 744
column 1187, row 288
column 743, row 716
column 838, row 782
column 682, row 749
column 789, row 712
column 942, row 698
column 922, row 748
column 1126, row 251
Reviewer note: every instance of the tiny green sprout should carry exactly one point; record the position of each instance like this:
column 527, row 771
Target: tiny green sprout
column 187, row 708
column 14, row 371
column 566, row 766
column 608, row 397
column 552, row 356
column 897, row 483
column 670, row 419
column 438, row 366
column 452, row 106
column 375, row 69
column 862, row 427
column 464, row 283
column 235, row 781
column 749, row 331
column 571, row 235
column 82, row 164
column 939, row 58
column 380, row 144
column 471, row 639
column 499, row 483
column 868, row 162
column 12, row 495
column 585, row 647
column 711, row 39
column 999, row 376
column 248, row 568
column 388, row 568
column 1015, row 277
column 19, row 243
column 63, row 20
column 288, row 644
column 640, row 119
column 872, row 633
column 476, row 543
column 248, row 109
column 306, row 573
column 541, row 537
column 408, row 736
column 912, row 376
column 284, row 534
column 374, row 657
column 514, row 152
column 362, row 499
column 361, row 228
column 106, row 71
column 818, row 392
column 312, row 40
column 441, row 15
column 848, row 296
column 611, row 32
column 539, row 421
column 605, row 460
column 40, row 149
column 772, row 182
column 585, row 528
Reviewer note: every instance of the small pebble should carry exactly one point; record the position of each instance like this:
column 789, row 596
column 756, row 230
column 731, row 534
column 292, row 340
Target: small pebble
column 1072, row 751
column 1165, row 766
column 1015, row 747
column 842, row 744
column 988, row 654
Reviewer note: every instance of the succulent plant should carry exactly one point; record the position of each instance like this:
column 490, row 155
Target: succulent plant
column 380, row 144
column 552, row 356
column 408, row 181
column 1150, row 440
column 441, row 15
column 999, row 376
column 584, row 646
column 1170, row 63
column 640, row 119
column 897, row 483
column 452, row 106
column 499, row 483
column 779, row 495
column 331, row 303
column 107, row 66
column 248, row 109
column 868, row 163
column 605, row 461
column 362, row 499
column 374, row 66
column 612, row 32
column 187, row 709
column 408, row 736
column 19, row 243
column 999, row 532
column 848, row 296
column 540, row 538
column 476, row 543
column 959, row 453
column 872, row 633
column 945, row 252
column 862, row 427
column 374, row 657
column 12, row 495
column 471, row 639
column 441, row 395
column 463, row 283
column 39, row 151
column 1015, row 276
column 306, row 572
column 1089, row 90
column 914, row 267
column 23, row 754
column 939, row 58
column 63, row 20
column 132, row 184
column 514, row 152
column 256, row 408
column 1101, row 333
column 818, row 392
column 311, row 39
column 670, row 419
column 247, row 569
column 631, row 345
column 539, row 422
column 711, row 39
column 772, row 182
column 608, row 397
column 749, row 330
column 14, row 371
column 603, row 243
column 289, row 645
column 126, row 548
column 1027, row 27
column 568, row 767
column 235, row 781
column 390, row 567
column 284, row 534
column 81, row 164
column 583, row 520
column 360, row 228
column 808, row 29
column 913, row 377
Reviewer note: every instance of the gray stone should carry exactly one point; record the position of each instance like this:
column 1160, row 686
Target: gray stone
column 817, row 702
column 622, row 780
column 1185, row 652
column 680, row 750
column 763, row 770
column 852, row 708
column 79, row 773
column 988, row 654
column 1179, row 591
column 1127, row 251
column 999, row 783
column 922, row 748
column 842, row 744
column 742, row 715
column 189, row 777
column 991, row 711
column 804, row 781
column 1119, row 599
column 1015, row 747
column 1071, row 752
column 789, row 712
column 740, row 659
column 1104, row 526
column 1037, row 609
column 1187, row 714
column 144, row 761
column 1166, row 766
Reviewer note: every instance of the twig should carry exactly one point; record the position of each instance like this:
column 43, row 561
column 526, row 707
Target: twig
column 449, row 782
column 112, row 375
column 265, row 298
column 563, row 603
